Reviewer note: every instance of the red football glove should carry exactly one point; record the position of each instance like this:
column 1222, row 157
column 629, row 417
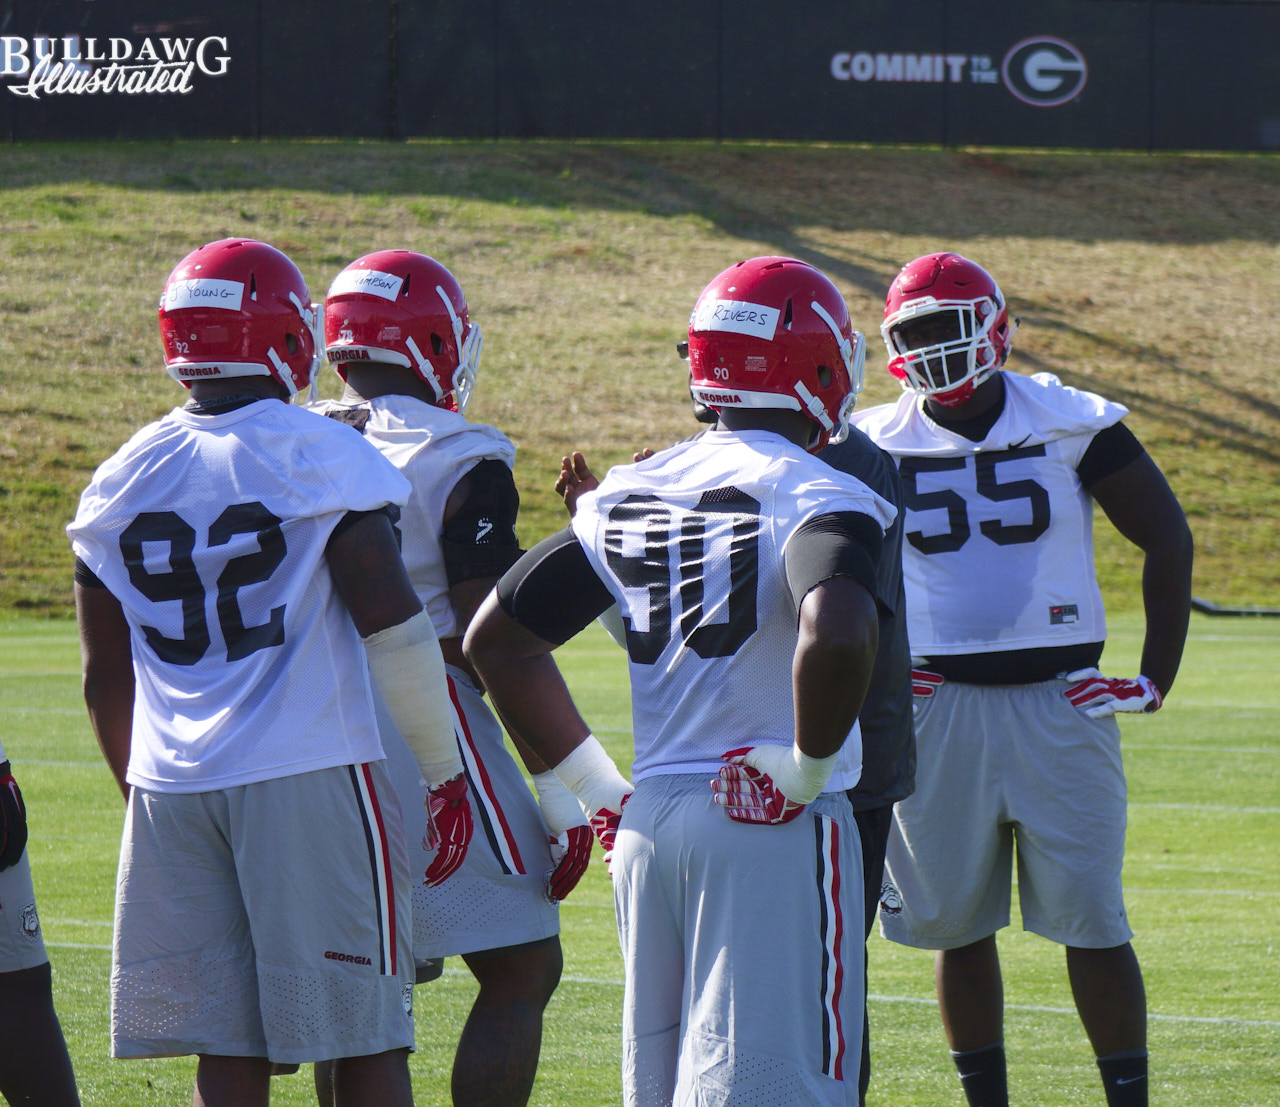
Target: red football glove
column 604, row 825
column 571, row 852
column 449, row 828
column 1099, row 696
column 924, row 683
column 750, row 795
column 13, row 819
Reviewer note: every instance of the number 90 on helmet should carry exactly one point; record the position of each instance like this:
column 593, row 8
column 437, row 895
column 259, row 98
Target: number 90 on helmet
column 238, row 308
column 774, row 332
column 404, row 308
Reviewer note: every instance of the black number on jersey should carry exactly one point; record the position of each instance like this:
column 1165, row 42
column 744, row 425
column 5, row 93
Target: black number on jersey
column 988, row 487
column 182, row 582
column 650, row 570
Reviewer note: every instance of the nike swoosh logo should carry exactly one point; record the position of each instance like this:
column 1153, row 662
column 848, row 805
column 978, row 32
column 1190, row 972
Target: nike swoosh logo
column 1131, row 1079
column 1015, row 445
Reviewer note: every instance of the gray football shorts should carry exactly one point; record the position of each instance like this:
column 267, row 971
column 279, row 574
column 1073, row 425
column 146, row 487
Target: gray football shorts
column 21, row 943
column 497, row 898
column 1005, row 770
column 266, row 920
column 743, row 948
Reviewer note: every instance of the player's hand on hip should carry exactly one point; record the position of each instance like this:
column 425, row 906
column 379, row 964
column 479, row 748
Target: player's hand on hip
column 1099, row 696
column 569, row 832
column 570, row 853
column 604, row 825
column 449, row 828
column 13, row 819
column 765, row 784
column 925, row 683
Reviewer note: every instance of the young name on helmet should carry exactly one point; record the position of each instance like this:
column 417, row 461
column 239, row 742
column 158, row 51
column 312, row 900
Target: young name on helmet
column 239, row 308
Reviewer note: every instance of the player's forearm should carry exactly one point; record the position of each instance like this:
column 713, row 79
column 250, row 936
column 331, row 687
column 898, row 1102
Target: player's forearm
column 835, row 654
column 408, row 671
column 1166, row 598
column 110, row 704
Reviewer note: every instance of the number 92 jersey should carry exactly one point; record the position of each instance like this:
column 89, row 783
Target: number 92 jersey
column 998, row 536
column 211, row 532
column 691, row 543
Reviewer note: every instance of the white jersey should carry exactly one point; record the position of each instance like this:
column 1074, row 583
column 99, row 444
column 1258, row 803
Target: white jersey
column 998, row 550
column 211, row 531
column 690, row 542
column 434, row 448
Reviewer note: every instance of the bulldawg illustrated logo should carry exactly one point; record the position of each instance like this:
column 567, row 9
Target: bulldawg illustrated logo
column 70, row 66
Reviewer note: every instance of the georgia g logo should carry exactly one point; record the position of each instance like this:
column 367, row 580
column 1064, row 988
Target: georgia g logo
column 1044, row 71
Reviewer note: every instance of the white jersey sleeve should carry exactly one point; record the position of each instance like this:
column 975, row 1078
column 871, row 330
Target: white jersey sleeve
column 211, row 532
column 998, row 534
column 434, row 448
column 691, row 543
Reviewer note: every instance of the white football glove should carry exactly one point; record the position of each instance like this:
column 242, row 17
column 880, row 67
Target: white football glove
column 569, row 831
column 1099, row 696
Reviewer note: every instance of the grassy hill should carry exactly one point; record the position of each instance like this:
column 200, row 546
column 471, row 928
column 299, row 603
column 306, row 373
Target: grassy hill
column 1152, row 279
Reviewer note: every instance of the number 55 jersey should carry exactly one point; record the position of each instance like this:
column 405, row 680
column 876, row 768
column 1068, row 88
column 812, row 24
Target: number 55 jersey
column 693, row 544
column 998, row 536
column 211, row 530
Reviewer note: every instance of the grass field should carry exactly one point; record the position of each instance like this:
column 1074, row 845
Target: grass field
column 1151, row 279
column 1202, row 876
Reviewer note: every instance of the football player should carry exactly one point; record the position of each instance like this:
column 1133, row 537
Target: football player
column 397, row 331
column 1018, row 743
column 885, row 721
column 743, row 568
column 231, row 558
column 34, row 1064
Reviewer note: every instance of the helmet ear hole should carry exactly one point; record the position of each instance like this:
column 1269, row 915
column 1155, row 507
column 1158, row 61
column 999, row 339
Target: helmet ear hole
column 437, row 344
column 787, row 316
column 291, row 343
column 824, row 376
column 404, row 288
column 253, row 286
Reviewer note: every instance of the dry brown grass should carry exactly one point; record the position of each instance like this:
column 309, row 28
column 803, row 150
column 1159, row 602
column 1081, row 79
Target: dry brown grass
column 1154, row 280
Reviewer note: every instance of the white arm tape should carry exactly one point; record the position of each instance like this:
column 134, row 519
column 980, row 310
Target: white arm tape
column 560, row 807
column 590, row 774
column 408, row 670
column 798, row 776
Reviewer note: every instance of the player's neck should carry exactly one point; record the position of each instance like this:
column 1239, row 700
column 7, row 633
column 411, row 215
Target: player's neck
column 986, row 396
column 369, row 381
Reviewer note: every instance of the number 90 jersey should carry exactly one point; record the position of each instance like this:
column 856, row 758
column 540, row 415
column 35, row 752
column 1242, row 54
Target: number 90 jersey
column 691, row 544
column 998, row 537
column 211, row 532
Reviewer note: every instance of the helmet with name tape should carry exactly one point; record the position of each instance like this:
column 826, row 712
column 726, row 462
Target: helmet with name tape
column 406, row 309
column 774, row 332
column 238, row 308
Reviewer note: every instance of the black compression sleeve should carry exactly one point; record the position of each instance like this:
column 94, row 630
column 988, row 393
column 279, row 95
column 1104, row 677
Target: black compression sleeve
column 553, row 590
column 86, row 577
column 842, row 544
column 479, row 540
column 1110, row 451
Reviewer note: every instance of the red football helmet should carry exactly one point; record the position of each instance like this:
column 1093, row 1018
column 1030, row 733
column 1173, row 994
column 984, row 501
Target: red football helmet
column 774, row 333
column 406, row 309
column 946, row 326
column 238, row 308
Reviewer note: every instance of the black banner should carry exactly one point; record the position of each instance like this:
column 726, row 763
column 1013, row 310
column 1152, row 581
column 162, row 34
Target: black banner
column 1127, row 74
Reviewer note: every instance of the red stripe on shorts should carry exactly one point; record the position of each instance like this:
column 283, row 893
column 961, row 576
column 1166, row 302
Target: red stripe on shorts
column 482, row 785
column 386, row 888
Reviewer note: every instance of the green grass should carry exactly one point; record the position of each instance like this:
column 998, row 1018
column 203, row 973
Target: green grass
column 1202, row 879
column 1151, row 279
